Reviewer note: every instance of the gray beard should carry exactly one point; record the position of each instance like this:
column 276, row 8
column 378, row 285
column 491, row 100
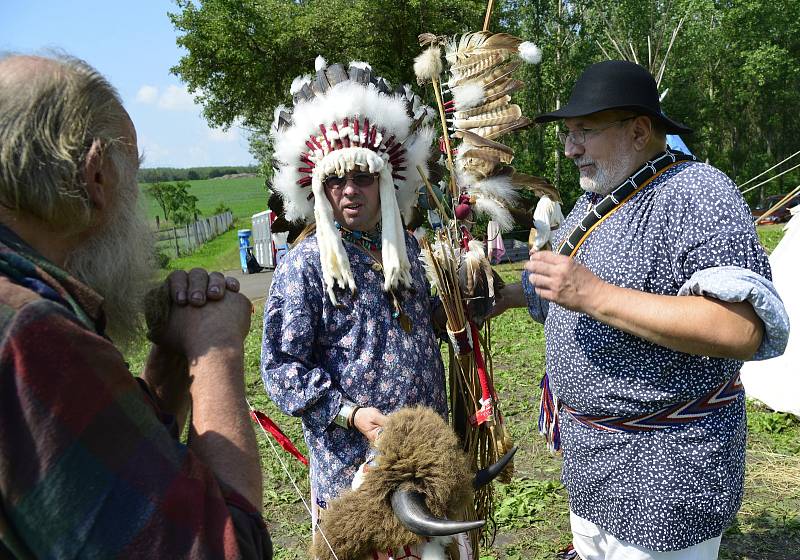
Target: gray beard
column 117, row 262
column 609, row 174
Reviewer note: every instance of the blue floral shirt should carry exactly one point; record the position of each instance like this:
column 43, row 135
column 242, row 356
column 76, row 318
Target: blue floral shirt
column 687, row 232
column 314, row 354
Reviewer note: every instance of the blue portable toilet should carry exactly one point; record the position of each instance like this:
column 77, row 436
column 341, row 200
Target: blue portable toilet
column 244, row 244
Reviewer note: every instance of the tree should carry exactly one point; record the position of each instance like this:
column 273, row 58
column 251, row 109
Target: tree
column 175, row 201
column 160, row 192
column 732, row 73
column 243, row 56
column 183, row 206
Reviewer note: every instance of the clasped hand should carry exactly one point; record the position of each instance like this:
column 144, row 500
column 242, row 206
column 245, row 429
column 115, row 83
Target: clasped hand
column 190, row 328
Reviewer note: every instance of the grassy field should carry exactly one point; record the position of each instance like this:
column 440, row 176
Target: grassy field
column 244, row 196
column 531, row 512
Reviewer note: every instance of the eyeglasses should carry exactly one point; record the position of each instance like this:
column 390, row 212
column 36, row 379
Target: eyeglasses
column 578, row 137
column 360, row 179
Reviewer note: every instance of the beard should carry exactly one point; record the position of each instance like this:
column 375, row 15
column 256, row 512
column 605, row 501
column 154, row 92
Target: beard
column 117, row 262
column 610, row 172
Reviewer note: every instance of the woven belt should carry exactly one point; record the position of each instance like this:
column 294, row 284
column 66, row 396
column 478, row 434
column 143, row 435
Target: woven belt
column 673, row 415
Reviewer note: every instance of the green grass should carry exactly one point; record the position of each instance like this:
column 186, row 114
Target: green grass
column 221, row 253
column 770, row 235
column 245, row 196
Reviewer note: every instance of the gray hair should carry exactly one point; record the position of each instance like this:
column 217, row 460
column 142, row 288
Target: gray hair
column 52, row 109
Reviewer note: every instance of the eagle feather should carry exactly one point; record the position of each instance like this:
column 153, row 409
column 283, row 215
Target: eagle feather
column 509, row 114
column 498, row 130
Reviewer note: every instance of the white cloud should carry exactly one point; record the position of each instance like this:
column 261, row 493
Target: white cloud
column 219, row 135
column 155, row 155
column 176, row 98
column 147, row 94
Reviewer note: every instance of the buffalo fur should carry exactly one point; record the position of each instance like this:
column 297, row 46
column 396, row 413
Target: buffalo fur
column 417, row 450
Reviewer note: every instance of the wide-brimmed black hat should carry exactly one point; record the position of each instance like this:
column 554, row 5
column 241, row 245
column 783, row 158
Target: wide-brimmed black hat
column 615, row 84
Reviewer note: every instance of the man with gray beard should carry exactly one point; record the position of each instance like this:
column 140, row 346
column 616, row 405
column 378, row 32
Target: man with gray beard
column 656, row 292
column 90, row 461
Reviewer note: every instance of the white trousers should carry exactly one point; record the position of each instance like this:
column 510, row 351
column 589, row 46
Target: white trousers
column 594, row 543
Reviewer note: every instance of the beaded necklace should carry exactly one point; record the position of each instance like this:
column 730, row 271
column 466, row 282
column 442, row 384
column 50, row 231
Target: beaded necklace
column 369, row 240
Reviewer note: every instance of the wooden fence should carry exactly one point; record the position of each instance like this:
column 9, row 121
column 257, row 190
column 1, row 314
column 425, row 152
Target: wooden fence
column 180, row 240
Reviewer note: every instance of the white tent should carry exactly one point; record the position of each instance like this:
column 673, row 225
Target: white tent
column 776, row 382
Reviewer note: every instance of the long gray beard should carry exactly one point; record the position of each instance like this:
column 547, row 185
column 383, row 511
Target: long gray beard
column 117, row 263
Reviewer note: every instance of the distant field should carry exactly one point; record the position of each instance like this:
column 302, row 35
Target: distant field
column 245, row 196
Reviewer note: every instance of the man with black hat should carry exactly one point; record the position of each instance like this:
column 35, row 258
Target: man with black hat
column 656, row 291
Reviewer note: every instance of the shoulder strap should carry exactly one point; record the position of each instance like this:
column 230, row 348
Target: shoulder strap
column 619, row 196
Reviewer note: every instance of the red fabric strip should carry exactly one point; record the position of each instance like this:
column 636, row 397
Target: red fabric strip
column 276, row 432
column 480, row 364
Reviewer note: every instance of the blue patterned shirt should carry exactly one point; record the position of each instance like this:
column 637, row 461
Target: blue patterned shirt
column 314, row 354
column 687, row 232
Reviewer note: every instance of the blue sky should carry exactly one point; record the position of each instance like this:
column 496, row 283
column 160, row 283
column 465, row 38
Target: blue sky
column 132, row 42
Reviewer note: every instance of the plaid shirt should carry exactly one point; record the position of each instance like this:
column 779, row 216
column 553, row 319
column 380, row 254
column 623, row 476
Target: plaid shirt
column 87, row 467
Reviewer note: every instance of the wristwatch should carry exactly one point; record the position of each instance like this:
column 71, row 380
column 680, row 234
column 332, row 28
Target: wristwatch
column 346, row 414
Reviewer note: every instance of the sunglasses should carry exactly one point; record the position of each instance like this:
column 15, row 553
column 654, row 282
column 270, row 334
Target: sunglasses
column 359, row 179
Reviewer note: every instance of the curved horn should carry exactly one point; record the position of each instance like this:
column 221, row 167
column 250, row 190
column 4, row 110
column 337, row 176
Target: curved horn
column 485, row 476
column 409, row 507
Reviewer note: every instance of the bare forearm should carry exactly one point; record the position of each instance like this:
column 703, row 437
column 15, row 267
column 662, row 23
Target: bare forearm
column 691, row 324
column 510, row 297
column 166, row 373
column 222, row 435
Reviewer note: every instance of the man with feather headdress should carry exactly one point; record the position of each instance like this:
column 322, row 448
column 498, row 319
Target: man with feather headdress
column 348, row 333
column 656, row 291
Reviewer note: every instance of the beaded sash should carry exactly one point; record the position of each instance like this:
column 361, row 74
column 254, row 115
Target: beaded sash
column 668, row 416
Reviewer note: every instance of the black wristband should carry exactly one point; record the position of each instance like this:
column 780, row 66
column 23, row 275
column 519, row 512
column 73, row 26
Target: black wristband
column 352, row 421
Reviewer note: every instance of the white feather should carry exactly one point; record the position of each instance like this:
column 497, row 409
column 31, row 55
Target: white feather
column 320, row 63
column 360, row 64
column 530, row 53
column 427, row 264
column 428, row 65
column 468, row 96
column 298, row 83
column 476, row 248
column 496, row 211
column 396, row 268
column 434, row 549
column 499, row 188
column 275, row 114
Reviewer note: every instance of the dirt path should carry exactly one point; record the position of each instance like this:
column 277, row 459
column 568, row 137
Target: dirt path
column 254, row 286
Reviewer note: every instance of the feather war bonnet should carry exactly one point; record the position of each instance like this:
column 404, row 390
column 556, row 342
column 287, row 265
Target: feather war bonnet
column 344, row 117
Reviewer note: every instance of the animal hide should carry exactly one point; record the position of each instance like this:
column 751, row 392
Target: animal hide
column 418, row 451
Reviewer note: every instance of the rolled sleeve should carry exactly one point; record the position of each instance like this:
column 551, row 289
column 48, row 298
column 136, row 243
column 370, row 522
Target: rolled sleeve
column 734, row 284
